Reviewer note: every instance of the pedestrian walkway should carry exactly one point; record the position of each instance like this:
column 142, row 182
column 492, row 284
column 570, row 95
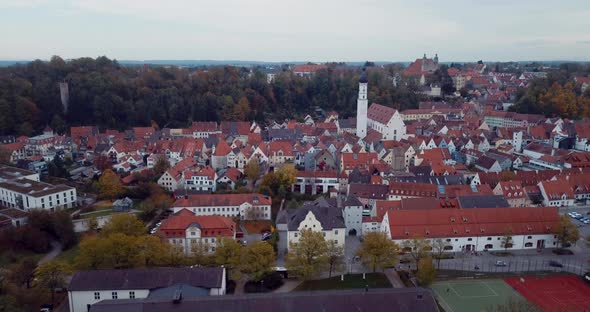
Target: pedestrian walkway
column 394, row 279
column 288, row 286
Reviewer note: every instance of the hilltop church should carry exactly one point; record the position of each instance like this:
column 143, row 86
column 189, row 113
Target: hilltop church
column 385, row 120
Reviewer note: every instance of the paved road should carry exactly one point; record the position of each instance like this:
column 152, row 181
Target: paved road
column 56, row 248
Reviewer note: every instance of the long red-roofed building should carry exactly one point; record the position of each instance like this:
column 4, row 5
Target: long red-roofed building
column 476, row 229
column 252, row 206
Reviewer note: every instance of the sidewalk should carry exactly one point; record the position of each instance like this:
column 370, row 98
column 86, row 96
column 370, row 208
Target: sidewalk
column 393, row 278
column 288, row 286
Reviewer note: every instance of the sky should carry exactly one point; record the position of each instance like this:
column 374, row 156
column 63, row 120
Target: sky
column 296, row 30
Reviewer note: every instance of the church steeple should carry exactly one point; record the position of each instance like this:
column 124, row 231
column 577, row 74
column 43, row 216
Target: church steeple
column 361, row 106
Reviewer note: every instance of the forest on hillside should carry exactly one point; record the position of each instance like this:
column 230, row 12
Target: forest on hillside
column 105, row 93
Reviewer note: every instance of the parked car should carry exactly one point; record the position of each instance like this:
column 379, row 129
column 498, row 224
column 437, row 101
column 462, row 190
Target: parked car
column 556, row 264
column 266, row 236
column 501, row 263
column 152, row 231
column 239, row 234
column 586, row 277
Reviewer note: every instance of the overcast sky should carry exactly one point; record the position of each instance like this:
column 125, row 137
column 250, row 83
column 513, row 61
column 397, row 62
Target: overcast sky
column 296, row 30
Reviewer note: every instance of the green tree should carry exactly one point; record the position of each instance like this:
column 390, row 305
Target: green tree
column 567, row 232
column 417, row 247
column 52, row 275
column 5, row 155
column 161, row 165
column 228, row 253
column 308, row 257
column 200, row 253
column 438, row 249
column 252, row 170
column 109, row 185
column 377, row 251
column 426, row 272
column 257, row 260
column 64, row 229
column 335, row 256
column 22, row 273
column 124, row 223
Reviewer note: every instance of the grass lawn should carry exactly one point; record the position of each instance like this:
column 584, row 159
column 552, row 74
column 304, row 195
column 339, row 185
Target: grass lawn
column 374, row 280
column 96, row 214
column 69, row 255
column 103, row 204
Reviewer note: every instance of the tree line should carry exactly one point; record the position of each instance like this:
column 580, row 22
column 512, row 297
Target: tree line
column 105, row 93
column 557, row 95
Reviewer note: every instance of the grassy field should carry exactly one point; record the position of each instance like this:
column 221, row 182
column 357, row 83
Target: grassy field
column 96, row 214
column 69, row 255
column 373, row 280
column 473, row 295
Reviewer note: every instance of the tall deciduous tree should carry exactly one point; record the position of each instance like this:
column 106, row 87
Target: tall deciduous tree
column 426, row 272
column 438, row 249
column 257, row 260
column 377, row 251
column 567, row 232
column 109, row 185
column 228, row 253
column 308, row 257
column 52, row 275
column 162, row 164
column 335, row 256
column 417, row 247
column 252, row 170
column 22, row 273
column 124, row 223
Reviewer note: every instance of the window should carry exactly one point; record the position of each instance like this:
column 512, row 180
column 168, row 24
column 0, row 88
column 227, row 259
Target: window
column 469, row 239
column 96, row 295
column 448, row 239
column 131, row 295
column 529, row 237
column 296, row 235
column 335, row 232
column 114, row 294
column 489, row 238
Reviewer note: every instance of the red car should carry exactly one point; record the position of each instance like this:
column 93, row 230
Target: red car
column 239, row 234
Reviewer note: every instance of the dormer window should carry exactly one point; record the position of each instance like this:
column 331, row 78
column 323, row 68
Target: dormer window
column 452, row 219
column 407, row 233
column 464, row 219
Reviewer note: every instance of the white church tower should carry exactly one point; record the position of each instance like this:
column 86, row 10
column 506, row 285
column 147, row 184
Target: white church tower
column 361, row 107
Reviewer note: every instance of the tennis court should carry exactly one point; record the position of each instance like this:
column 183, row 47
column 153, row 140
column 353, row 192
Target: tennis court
column 554, row 293
column 473, row 295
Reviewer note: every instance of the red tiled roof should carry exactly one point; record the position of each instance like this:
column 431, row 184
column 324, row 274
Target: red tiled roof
column 380, row 113
column 211, row 226
column 442, row 223
column 214, row 200
column 308, row 68
column 222, row 149
column 556, row 189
